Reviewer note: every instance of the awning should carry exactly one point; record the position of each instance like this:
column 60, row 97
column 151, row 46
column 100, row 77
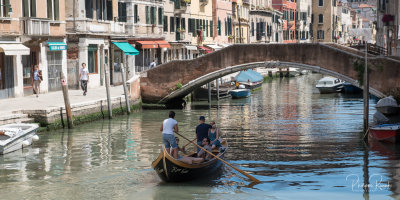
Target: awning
column 213, row 46
column 11, row 49
column 163, row 44
column 148, row 44
column 191, row 47
column 57, row 46
column 126, row 48
column 205, row 49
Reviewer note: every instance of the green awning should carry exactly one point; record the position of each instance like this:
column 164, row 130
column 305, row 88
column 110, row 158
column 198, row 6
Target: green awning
column 57, row 46
column 126, row 48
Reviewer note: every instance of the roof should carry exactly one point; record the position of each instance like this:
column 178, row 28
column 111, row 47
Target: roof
column 245, row 76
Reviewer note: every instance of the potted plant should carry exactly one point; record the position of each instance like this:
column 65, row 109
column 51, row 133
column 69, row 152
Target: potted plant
column 186, row 1
column 180, row 30
column 386, row 19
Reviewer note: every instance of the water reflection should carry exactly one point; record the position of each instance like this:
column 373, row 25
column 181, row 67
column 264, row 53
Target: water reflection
column 297, row 142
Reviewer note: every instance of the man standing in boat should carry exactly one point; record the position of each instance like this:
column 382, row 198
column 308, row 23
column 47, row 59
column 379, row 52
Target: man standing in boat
column 168, row 127
column 202, row 131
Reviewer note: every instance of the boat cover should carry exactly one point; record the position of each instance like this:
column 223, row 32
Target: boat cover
column 387, row 101
column 245, row 76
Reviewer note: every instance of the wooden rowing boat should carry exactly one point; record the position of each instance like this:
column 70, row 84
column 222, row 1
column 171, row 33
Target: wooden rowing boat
column 170, row 169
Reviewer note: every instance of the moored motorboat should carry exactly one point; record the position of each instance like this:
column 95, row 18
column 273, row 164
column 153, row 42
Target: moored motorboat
column 250, row 79
column 17, row 136
column 351, row 89
column 385, row 132
column 329, row 85
column 240, row 93
column 170, row 169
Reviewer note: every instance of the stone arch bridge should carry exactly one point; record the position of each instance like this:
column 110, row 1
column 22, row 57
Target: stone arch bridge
column 158, row 84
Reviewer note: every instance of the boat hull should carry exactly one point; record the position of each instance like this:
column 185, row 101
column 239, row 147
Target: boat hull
column 333, row 89
column 240, row 93
column 251, row 86
column 388, row 110
column 351, row 89
column 386, row 133
column 172, row 170
column 17, row 142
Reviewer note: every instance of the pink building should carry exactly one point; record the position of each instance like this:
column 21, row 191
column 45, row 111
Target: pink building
column 222, row 18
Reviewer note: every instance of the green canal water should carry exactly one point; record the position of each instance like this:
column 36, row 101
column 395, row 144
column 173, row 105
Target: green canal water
column 300, row 144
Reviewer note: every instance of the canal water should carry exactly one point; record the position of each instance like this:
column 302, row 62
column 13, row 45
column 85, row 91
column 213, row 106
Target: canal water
column 299, row 143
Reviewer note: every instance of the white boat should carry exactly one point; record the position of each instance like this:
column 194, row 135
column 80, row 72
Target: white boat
column 293, row 72
column 17, row 136
column 329, row 85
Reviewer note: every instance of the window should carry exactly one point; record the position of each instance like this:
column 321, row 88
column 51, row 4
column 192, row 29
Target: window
column 206, row 28
column 153, row 15
column 165, row 24
column 89, row 8
column 29, row 8
column 219, row 27
column 92, row 58
column 183, row 24
column 334, row 3
column 121, row 12
column 107, row 10
column 160, row 15
column 147, row 15
column 53, row 9
column 320, row 34
column 4, row 9
column 171, row 24
column 320, row 19
column 226, row 25
column 136, row 16
column 320, row 2
column 54, row 66
column 211, row 29
column 252, row 28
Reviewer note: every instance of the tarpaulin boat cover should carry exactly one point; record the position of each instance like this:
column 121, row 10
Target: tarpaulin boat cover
column 387, row 101
column 245, row 76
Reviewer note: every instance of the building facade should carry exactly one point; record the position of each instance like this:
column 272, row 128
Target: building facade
column 344, row 24
column 32, row 33
column 303, row 21
column 388, row 25
column 289, row 10
column 325, row 21
column 240, row 14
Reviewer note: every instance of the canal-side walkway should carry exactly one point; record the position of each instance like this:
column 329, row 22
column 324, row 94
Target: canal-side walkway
column 46, row 108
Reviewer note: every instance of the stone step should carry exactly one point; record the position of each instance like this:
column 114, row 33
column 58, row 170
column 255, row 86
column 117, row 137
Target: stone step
column 15, row 118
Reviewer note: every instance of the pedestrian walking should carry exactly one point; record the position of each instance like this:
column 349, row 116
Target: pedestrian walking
column 37, row 79
column 84, row 77
column 152, row 64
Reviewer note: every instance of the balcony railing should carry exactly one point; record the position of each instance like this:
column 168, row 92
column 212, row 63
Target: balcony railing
column 36, row 26
column 246, row 2
column 118, row 27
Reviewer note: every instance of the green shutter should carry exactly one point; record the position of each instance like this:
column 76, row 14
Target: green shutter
column 211, row 29
column 26, row 8
column 49, row 9
column 206, row 28
column 147, row 15
column 154, row 21
column 33, row 8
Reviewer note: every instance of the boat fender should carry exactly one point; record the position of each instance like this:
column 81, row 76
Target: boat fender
column 25, row 143
column 35, row 138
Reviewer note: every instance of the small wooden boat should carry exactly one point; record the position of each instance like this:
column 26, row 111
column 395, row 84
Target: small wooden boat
column 17, row 136
column 240, row 93
column 250, row 79
column 385, row 132
column 170, row 169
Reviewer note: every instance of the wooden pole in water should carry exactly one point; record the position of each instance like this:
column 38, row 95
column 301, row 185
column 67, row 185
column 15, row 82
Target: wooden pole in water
column 366, row 90
column 128, row 108
column 64, row 87
column 217, row 89
column 106, row 77
column 209, row 92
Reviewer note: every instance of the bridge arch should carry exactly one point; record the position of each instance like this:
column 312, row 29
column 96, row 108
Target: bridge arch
column 158, row 84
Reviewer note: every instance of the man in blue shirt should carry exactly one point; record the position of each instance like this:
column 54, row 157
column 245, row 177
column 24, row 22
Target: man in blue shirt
column 202, row 131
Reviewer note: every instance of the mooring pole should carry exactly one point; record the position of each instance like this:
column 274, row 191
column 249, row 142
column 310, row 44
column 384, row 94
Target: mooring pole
column 209, row 92
column 108, row 91
column 366, row 90
column 128, row 108
column 217, row 89
column 64, row 87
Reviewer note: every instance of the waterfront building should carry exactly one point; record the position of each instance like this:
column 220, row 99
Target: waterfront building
column 388, row 25
column 222, row 22
column 240, row 14
column 303, row 21
column 93, row 27
column 344, row 23
column 265, row 22
column 325, row 20
column 145, row 21
column 289, row 9
column 32, row 33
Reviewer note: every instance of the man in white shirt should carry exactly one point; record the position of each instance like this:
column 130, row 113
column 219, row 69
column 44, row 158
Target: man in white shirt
column 84, row 77
column 152, row 64
column 168, row 127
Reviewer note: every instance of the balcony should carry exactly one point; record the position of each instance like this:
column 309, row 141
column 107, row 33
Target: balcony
column 203, row 2
column 118, row 27
column 180, row 6
column 36, row 26
column 246, row 2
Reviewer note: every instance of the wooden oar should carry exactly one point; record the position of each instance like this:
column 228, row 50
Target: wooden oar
column 189, row 142
column 237, row 169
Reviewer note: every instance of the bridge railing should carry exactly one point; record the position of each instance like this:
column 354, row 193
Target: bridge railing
column 372, row 49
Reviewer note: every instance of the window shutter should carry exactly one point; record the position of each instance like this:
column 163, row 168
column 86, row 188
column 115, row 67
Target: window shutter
column 147, row 15
column 6, row 8
column 33, row 8
column 165, row 23
column 154, row 15
column 183, row 24
column 211, row 29
column 136, row 13
column 56, row 10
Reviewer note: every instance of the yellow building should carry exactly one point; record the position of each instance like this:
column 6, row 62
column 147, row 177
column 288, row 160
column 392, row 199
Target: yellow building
column 240, row 16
